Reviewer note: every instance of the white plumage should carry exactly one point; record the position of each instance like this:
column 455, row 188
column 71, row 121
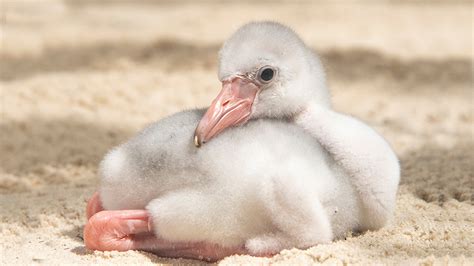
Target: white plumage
column 297, row 174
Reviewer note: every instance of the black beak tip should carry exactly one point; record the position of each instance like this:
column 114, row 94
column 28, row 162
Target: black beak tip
column 197, row 141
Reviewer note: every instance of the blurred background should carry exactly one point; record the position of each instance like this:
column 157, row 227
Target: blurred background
column 80, row 76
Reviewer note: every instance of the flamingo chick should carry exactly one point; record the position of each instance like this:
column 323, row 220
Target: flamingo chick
column 268, row 166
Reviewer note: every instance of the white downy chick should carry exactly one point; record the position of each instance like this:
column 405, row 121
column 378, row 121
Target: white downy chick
column 276, row 167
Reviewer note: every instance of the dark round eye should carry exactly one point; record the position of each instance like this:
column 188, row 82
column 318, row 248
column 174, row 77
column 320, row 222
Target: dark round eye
column 266, row 74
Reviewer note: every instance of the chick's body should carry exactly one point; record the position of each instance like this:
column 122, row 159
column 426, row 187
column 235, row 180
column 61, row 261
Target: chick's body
column 248, row 182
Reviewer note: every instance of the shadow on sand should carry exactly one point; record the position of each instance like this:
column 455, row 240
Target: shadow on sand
column 437, row 174
column 173, row 55
column 39, row 141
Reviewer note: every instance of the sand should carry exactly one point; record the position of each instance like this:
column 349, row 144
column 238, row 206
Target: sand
column 78, row 77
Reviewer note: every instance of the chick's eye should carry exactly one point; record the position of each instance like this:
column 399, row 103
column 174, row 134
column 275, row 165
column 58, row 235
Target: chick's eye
column 266, row 74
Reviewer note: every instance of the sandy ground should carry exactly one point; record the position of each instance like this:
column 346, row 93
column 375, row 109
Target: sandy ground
column 78, row 77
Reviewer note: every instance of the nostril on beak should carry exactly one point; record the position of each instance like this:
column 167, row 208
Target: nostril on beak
column 225, row 103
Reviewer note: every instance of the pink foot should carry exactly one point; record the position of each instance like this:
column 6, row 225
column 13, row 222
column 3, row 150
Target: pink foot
column 116, row 230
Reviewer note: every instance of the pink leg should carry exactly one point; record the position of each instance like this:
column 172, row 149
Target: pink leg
column 93, row 205
column 131, row 230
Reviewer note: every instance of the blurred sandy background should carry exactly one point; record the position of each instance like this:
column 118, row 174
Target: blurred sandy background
column 78, row 77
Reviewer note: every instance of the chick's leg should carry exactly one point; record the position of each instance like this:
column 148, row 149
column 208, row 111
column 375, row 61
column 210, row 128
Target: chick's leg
column 93, row 205
column 123, row 230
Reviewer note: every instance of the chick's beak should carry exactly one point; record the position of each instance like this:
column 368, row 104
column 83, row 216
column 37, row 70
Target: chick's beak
column 232, row 107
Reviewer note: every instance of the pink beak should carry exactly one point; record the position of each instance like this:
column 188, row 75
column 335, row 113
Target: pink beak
column 232, row 107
